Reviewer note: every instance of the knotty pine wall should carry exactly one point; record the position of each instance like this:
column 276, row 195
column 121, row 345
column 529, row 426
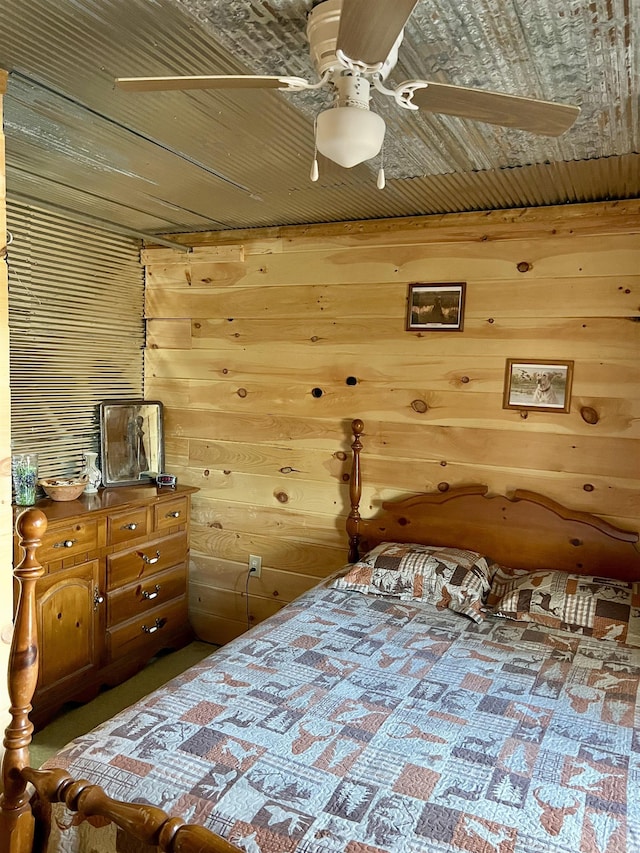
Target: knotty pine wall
column 246, row 328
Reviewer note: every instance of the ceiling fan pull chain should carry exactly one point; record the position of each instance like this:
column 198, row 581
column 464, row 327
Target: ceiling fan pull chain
column 314, row 166
column 380, row 182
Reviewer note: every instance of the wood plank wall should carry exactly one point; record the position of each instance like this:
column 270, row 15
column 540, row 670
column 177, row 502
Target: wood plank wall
column 264, row 344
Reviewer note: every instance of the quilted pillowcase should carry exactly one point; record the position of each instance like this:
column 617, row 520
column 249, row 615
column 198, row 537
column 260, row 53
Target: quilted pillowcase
column 596, row 607
column 446, row 577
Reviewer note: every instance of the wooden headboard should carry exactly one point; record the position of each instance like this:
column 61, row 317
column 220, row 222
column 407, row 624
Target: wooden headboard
column 524, row 531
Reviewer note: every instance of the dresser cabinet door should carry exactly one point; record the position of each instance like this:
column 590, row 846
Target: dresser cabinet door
column 70, row 609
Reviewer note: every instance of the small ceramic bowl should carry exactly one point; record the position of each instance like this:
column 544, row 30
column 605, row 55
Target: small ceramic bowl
column 59, row 489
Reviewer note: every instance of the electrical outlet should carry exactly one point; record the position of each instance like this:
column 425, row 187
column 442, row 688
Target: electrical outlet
column 255, row 565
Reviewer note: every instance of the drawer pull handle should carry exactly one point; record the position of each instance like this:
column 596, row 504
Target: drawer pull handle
column 131, row 526
column 68, row 543
column 175, row 514
column 98, row 598
column 149, row 560
column 153, row 628
column 150, row 595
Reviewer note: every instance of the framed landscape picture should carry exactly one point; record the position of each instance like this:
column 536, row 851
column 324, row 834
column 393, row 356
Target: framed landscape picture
column 542, row 385
column 435, row 307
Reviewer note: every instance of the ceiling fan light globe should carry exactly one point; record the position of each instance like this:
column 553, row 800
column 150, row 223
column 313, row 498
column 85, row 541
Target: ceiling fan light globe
column 349, row 135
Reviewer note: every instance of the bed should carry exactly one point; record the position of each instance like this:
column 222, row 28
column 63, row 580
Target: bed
column 468, row 682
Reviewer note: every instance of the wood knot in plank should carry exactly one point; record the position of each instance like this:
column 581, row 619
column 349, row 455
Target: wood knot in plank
column 589, row 415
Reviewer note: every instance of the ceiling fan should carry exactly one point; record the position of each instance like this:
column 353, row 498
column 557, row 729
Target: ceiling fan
column 354, row 46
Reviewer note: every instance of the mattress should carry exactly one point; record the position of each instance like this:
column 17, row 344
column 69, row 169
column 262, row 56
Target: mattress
column 351, row 722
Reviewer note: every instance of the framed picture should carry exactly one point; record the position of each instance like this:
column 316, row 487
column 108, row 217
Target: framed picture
column 131, row 441
column 541, row 385
column 435, row 307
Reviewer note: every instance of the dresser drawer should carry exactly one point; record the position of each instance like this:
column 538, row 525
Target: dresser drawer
column 72, row 540
column 127, row 525
column 143, row 562
column 170, row 513
column 137, row 599
column 149, row 631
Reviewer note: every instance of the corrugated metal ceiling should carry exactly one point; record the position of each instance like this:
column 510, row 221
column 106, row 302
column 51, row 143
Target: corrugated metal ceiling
column 169, row 162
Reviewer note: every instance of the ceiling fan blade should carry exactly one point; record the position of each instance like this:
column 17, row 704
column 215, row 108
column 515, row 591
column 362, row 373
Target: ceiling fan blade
column 543, row 117
column 368, row 29
column 223, row 81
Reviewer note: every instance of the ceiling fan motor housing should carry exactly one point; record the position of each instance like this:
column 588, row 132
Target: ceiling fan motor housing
column 322, row 31
column 352, row 90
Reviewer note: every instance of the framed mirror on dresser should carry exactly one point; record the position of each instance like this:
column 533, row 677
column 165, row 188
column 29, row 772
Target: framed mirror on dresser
column 131, row 441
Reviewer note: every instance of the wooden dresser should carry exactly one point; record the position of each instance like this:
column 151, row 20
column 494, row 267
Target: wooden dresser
column 114, row 591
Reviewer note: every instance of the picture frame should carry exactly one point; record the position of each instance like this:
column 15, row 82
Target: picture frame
column 543, row 385
column 131, row 441
column 435, row 307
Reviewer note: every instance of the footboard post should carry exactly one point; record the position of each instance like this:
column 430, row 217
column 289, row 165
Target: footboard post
column 355, row 492
column 16, row 819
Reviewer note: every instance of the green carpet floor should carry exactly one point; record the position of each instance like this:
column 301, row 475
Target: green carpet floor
column 79, row 720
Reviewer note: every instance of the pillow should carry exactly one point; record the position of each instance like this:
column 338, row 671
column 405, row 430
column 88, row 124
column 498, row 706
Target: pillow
column 596, row 607
column 446, row 577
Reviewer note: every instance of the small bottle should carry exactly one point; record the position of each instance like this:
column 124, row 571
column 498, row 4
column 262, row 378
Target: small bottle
column 92, row 473
column 24, row 471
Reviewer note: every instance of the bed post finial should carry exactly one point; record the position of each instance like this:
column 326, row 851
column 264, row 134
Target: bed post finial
column 16, row 820
column 355, row 491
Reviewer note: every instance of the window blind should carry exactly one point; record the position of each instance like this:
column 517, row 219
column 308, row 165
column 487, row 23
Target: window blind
column 76, row 302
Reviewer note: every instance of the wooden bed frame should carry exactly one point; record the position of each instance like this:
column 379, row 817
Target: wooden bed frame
column 525, row 531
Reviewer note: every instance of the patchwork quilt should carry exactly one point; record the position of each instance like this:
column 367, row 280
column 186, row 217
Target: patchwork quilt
column 351, row 722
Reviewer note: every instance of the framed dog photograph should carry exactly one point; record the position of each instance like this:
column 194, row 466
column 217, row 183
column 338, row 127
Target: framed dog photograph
column 435, row 307
column 543, row 385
